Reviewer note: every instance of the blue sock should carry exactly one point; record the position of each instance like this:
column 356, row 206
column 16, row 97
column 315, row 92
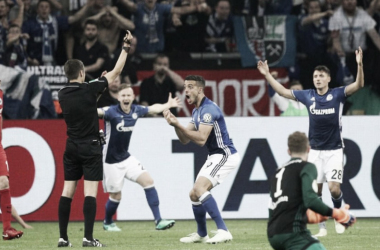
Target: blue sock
column 111, row 207
column 200, row 217
column 338, row 202
column 152, row 198
column 209, row 203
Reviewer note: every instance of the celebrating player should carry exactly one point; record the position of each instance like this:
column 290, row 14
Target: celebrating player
column 118, row 163
column 325, row 107
column 294, row 202
column 206, row 127
column 9, row 232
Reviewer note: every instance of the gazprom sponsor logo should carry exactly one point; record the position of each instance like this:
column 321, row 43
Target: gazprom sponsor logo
column 322, row 111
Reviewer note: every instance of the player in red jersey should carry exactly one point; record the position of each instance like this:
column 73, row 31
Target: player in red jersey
column 9, row 232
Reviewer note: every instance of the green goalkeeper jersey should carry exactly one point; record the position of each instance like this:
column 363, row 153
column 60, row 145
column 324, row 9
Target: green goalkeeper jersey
column 293, row 190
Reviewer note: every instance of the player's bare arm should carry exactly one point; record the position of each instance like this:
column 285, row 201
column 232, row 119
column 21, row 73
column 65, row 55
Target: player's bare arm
column 172, row 121
column 359, row 83
column 185, row 135
column 172, row 103
column 281, row 90
column 122, row 58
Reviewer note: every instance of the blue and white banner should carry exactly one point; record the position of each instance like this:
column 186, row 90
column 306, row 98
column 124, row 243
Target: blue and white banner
column 271, row 38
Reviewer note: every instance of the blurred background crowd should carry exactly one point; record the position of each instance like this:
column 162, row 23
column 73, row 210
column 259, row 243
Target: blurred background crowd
column 166, row 33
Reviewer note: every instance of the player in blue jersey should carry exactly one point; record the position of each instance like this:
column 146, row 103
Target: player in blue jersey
column 325, row 107
column 207, row 127
column 119, row 121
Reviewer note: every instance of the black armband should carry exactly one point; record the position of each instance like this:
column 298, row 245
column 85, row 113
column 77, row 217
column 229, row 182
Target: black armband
column 126, row 49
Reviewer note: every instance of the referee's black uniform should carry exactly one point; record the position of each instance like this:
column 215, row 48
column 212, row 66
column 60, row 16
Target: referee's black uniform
column 83, row 154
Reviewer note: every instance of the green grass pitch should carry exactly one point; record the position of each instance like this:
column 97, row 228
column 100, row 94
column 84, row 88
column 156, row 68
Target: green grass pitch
column 141, row 235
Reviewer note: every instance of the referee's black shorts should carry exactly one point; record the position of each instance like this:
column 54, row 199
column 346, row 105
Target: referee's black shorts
column 83, row 158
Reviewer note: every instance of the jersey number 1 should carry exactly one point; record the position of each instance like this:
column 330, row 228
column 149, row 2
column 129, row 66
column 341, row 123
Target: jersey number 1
column 278, row 184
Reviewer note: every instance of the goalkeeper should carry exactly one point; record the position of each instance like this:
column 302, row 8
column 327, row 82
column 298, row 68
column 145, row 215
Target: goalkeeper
column 294, row 201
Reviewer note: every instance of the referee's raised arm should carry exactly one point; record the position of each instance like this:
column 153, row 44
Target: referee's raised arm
column 122, row 58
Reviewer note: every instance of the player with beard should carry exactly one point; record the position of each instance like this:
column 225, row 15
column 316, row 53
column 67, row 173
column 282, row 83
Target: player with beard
column 156, row 88
column 119, row 121
column 207, row 127
column 91, row 52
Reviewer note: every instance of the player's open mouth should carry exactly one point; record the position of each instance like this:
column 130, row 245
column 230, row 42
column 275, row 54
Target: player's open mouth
column 126, row 103
column 187, row 97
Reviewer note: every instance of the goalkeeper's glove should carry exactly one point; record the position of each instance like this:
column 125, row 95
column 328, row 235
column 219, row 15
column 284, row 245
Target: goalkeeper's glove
column 343, row 216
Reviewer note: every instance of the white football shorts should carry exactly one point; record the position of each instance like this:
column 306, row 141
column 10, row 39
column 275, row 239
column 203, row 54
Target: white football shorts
column 329, row 164
column 114, row 174
column 218, row 166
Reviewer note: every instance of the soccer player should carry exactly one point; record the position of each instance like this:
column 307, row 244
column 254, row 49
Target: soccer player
column 294, row 201
column 9, row 232
column 207, row 127
column 83, row 153
column 325, row 108
column 119, row 121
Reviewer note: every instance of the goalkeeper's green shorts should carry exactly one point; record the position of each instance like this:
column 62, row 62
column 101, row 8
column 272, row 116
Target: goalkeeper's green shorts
column 295, row 241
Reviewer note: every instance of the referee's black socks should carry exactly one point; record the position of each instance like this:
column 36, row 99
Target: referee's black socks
column 64, row 209
column 89, row 212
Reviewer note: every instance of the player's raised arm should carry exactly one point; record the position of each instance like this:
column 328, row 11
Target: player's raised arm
column 359, row 83
column 158, row 108
column 281, row 90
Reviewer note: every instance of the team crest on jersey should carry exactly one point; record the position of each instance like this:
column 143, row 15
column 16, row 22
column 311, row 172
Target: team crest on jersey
column 329, row 97
column 134, row 116
column 207, row 117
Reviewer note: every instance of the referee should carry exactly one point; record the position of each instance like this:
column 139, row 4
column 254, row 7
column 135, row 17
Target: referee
column 83, row 153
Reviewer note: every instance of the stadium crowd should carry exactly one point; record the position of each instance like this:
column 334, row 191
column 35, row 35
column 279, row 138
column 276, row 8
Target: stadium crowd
column 49, row 32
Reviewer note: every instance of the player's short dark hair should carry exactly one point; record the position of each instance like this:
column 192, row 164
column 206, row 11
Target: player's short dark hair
column 198, row 79
column 90, row 22
column 322, row 68
column 298, row 142
column 124, row 86
column 72, row 68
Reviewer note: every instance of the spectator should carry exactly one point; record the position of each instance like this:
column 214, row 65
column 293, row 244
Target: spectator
column 349, row 26
column 29, row 10
column 219, row 31
column 248, row 7
column 43, row 32
column 111, row 24
column 110, row 97
column 374, row 11
column 91, row 52
column 5, row 23
column 15, row 52
column 192, row 26
column 156, row 88
column 150, row 18
column 313, row 35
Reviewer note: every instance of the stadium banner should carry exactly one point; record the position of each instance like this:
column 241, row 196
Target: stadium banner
column 271, row 38
column 35, row 151
column 237, row 92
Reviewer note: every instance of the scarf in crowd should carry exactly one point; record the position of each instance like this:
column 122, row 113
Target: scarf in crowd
column 48, row 26
column 152, row 31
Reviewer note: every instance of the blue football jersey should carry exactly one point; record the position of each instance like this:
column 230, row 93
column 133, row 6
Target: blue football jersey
column 219, row 141
column 118, row 130
column 325, row 117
